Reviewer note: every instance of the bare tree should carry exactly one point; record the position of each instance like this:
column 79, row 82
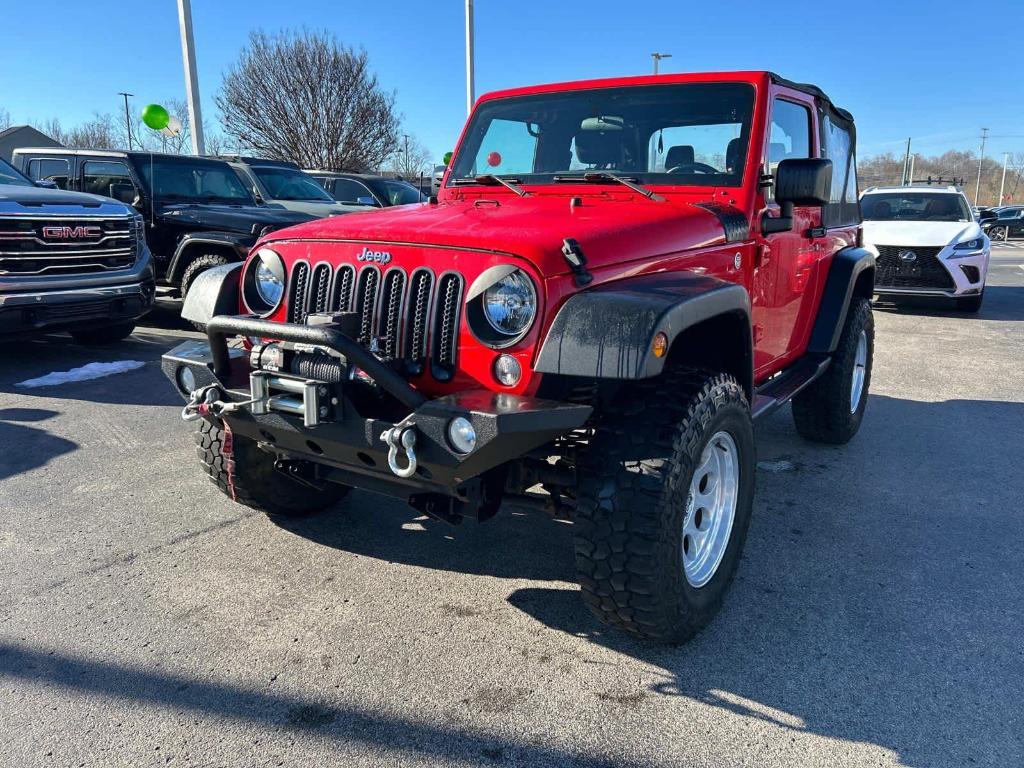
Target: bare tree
column 307, row 98
column 411, row 158
column 961, row 166
column 5, row 119
column 102, row 131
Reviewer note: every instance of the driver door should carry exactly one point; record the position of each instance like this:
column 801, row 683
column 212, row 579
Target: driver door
column 782, row 292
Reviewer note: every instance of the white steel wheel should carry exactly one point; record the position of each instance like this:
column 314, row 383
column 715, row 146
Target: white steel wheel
column 710, row 509
column 860, row 370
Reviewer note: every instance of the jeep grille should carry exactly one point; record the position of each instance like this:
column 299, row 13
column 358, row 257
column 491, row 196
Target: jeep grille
column 409, row 319
column 90, row 245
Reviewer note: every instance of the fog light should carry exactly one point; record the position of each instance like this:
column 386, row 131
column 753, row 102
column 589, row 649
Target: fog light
column 186, row 379
column 461, row 434
column 660, row 345
column 507, row 370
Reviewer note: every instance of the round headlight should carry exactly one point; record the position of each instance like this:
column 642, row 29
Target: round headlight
column 269, row 277
column 461, row 434
column 511, row 304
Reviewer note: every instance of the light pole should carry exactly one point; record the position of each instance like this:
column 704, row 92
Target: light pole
column 470, row 88
column 188, row 55
column 1002, row 184
column 657, row 59
column 128, row 120
column 977, row 186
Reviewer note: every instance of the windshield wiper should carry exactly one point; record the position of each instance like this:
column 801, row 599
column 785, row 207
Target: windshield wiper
column 490, row 178
column 592, row 176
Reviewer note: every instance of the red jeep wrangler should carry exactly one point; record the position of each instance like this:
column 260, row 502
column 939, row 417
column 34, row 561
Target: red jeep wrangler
column 617, row 278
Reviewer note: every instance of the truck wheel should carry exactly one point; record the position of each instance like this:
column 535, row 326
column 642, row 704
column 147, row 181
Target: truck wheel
column 831, row 409
column 108, row 334
column 663, row 505
column 257, row 484
column 192, row 271
column 970, row 303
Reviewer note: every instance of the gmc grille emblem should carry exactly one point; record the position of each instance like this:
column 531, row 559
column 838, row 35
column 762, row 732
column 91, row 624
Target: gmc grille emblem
column 72, row 233
column 380, row 257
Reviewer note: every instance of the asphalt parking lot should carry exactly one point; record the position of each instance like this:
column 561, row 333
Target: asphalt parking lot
column 876, row 618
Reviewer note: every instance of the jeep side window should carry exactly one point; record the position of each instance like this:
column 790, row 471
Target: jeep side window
column 837, row 146
column 107, row 178
column 790, row 134
column 49, row 169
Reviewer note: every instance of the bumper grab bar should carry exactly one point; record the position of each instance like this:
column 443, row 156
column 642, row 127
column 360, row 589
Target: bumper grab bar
column 222, row 326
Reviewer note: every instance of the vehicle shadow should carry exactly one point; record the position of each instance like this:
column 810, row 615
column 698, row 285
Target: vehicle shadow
column 26, row 447
column 346, row 726
column 878, row 600
column 39, row 356
column 1002, row 302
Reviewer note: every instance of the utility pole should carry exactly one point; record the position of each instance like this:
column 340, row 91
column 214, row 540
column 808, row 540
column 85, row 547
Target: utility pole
column 910, row 178
column 188, row 55
column 658, row 57
column 977, row 186
column 406, row 163
column 1002, row 184
column 906, row 165
column 470, row 87
column 128, row 120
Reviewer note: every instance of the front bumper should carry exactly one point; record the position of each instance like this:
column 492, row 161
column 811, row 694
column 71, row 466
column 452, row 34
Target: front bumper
column 968, row 274
column 346, row 443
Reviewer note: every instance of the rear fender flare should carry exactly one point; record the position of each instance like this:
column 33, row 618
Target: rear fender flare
column 607, row 332
column 852, row 272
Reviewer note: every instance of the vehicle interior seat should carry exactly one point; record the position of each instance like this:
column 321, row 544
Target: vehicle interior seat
column 681, row 155
column 734, row 155
column 942, row 208
column 878, row 209
column 601, row 149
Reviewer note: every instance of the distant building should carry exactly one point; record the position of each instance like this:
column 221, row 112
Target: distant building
column 23, row 136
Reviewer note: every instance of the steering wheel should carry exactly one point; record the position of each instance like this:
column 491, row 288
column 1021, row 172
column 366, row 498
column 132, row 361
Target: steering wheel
column 693, row 167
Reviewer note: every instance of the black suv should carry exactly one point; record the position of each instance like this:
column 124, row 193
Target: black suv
column 198, row 213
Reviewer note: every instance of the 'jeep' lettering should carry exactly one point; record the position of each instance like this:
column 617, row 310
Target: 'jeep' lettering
column 380, row 257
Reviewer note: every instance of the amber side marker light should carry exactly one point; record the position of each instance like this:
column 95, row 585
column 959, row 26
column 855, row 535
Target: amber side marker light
column 660, row 345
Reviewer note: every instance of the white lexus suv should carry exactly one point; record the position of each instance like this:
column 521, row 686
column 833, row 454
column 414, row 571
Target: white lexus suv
column 928, row 244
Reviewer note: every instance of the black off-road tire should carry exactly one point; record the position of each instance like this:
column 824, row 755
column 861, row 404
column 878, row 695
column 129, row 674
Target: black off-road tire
column 257, row 484
column 634, row 483
column 822, row 412
column 108, row 334
column 192, row 271
column 970, row 303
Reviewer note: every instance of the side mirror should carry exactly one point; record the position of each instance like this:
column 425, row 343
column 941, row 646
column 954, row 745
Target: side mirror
column 47, row 184
column 124, row 193
column 807, row 181
column 366, row 200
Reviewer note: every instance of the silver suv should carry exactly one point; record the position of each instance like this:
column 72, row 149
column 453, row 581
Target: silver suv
column 70, row 261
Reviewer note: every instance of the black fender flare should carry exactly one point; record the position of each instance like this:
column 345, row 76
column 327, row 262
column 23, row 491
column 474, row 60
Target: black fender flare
column 239, row 243
column 214, row 292
column 606, row 332
column 846, row 270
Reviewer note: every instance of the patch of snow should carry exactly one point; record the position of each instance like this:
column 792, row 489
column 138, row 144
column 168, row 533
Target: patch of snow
column 84, row 373
column 782, row 465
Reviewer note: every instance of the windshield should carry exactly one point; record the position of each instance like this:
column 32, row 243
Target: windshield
column 915, row 206
column 289, row 184
column 397, row 192
column 201, row 182
column 10, row 176
column 690, row 134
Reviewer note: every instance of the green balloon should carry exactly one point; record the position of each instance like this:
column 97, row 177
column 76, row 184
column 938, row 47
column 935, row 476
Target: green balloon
column 447, row 157
column 155, row 116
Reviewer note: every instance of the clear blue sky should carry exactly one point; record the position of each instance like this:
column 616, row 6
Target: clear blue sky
column 933, row 70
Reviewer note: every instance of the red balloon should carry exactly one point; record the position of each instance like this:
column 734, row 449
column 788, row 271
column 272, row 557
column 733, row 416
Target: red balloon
column 494, row 159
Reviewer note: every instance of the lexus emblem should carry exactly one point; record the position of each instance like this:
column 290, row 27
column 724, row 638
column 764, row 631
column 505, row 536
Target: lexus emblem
column 908, row 256
column 71, row 233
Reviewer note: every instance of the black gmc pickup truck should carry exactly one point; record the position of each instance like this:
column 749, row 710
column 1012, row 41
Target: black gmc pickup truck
column 197, row 211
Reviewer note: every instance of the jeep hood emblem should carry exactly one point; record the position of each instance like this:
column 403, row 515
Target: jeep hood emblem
column 379, row 257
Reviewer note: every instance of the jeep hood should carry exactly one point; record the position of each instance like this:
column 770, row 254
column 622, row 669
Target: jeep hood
column 920, row 233
column 230, row 218
column 611, row 228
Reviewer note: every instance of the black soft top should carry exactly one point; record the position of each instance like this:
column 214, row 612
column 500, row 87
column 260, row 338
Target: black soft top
column 840, row 114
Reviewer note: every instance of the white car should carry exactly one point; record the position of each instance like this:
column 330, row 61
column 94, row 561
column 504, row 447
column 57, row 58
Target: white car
column 927, row 243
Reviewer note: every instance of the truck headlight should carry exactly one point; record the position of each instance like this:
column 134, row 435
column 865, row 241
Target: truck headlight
column 511, row 304
column 263, row 282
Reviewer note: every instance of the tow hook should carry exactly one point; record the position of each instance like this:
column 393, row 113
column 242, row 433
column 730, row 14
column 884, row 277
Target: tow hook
column 401, row 438
column 206, row 401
